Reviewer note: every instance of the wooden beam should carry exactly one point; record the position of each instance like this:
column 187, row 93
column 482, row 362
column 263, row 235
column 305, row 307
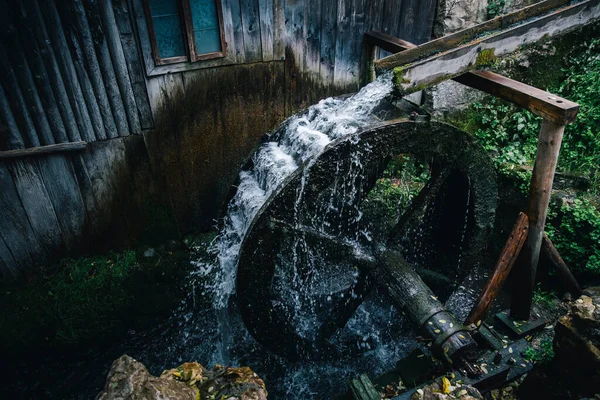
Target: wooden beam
column 549, row 251
column 456, row 39
column 50, row 149
column 503, row 266
column 486, row 50
column 546, row 105
column 540, row 189
column 388, row 42
column 537, row 101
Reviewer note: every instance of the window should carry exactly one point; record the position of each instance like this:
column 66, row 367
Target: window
column 185, row 30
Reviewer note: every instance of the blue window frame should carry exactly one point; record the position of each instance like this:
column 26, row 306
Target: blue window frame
column 185, row 30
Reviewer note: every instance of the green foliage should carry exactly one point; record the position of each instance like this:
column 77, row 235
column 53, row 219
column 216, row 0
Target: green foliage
column 546, row 299
column 495, row 8
column 574, row 227
column 88, row 299
column 543, row 353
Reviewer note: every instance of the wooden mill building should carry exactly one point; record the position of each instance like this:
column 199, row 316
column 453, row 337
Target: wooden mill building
column 127, row 121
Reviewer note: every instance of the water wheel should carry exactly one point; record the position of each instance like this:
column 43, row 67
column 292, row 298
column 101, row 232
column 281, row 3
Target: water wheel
column 296, row 287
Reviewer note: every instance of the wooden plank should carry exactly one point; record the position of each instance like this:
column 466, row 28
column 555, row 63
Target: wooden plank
column 94, row 24
column 17, row 101
column 15, row 229
column 134, row 63
column 312, row 28
column 409, row 23
column 8, row 266
column 486, row 50
column 38, row 206
column 25, row 46
column 539, row 102
column 388, row 42
column 15, row 59
column 60, row 182
column 10, row 136
column 49, row 149
column 279, row 30
column 501, row 270
column 46, row 53
column 455, row 39
column 119, row 63
column 550, row 252
column 251, row 28
column 546, row 158
column 266, row 10
column 80, row 92
column 390, row 22
column 425, row 18
column 105, row 165
column 82, row 42
column 328, row 42
column 343, row 43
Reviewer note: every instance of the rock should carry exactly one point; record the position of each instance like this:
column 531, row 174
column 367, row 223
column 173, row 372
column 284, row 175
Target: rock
column 129, row 379
column 147, row 254
column 577, row 340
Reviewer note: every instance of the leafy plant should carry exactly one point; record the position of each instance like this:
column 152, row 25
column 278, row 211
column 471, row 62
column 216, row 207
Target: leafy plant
column 495, row 8
column 544, row 352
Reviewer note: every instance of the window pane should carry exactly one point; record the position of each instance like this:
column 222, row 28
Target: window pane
column 167, row 27
column 206, row 26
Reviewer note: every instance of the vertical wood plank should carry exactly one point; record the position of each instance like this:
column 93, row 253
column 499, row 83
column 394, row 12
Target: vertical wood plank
column 239, row 51
column 8, row 266
column 16, row 99
column 10, row 136
column 15, row 229
column 228, row 26
column 26, row 47
column 61, row 184
column 82, row 101
column 312, row 29
column 16, row 60
column 390, row 21
column 328, row 42
column 46, row 52
column 426, row 16
column 408, row 24
column 266, row 10
column 37, row 205
column 82, row 43
column 94, row 24
column 134, row 62
column 251, row 26
column 119, row 63
column 279, row 30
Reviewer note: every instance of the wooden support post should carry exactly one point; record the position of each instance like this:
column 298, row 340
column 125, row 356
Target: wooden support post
column 540, row 189
column 556, row 260
column 505, row 262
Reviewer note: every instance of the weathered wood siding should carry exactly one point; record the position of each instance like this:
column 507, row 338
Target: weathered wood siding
column 163, row 149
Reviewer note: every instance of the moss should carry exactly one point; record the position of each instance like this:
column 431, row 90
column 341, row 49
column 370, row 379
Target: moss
column 486, row 58
column 91, row 300
column 398, row 77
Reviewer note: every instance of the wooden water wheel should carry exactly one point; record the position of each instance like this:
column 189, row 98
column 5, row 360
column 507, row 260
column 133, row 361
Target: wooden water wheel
column 301, row 259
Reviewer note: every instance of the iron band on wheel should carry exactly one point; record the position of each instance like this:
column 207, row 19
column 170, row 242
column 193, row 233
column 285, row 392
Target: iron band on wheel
column 431, row 314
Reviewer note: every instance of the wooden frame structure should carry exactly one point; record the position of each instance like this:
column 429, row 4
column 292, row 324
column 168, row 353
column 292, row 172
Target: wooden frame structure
column 525, row 242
